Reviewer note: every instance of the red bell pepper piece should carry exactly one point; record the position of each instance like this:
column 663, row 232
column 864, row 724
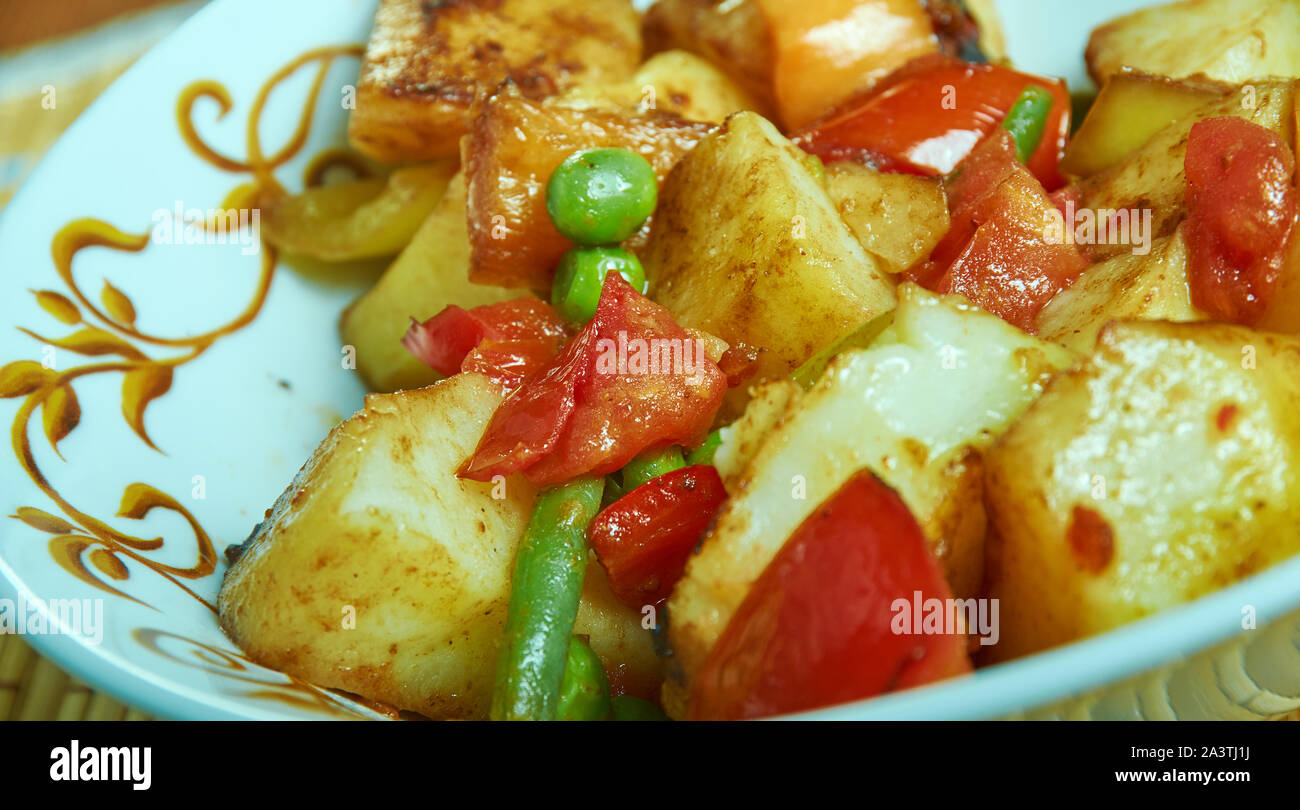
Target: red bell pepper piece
column 999, row 251
column 506, row 341
column 1241, row 210
column 645, row 537
column 630, row 380
column 818, row 626
column 927, row 116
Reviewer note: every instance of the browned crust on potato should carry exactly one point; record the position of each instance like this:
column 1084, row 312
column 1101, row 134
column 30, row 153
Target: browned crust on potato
column 430, row 62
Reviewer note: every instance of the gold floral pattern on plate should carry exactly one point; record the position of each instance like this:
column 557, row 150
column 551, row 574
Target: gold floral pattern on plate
column 106, row 334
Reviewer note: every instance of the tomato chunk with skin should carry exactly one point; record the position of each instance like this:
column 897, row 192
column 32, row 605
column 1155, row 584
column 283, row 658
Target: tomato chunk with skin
column 927, row 116
column 505, row 341
column 645, row 537
column 631, row 379
column 818, row 626
column 1241, row 210
column 1000, row 251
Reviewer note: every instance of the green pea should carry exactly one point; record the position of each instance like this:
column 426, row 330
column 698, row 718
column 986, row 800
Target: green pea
column 584, row 692
column 581, row 276
column 601, row 196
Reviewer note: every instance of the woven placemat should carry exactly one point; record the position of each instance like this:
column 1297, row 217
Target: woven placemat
column 33, row 688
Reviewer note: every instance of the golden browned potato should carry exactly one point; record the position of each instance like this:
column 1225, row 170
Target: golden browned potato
column 1231, row 40
column 509, row 156
column 378, row 571
column 898, row 218
column 673, row 82
column 1130, row 108
column 917, row 407
column 1146, row 287
column 734, row 36
column 1159, row 469
column 746, row 244
column 427, row 65
column 431, row 273
column 1283, row 313
column 1151, row 178
column 993, row 40
column 362, row 219
column 768, row 404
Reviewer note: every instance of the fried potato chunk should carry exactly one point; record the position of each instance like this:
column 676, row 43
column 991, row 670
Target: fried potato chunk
column 889, row 407
column 898, row 218
column 674, row 83
column 1152, row 179
column 748, row 245
column 429, row 274
column 514, row 147
column 1231, row 40
column 1161, row 468
column 1148, row 286
column 378, row 571
column 428, row 65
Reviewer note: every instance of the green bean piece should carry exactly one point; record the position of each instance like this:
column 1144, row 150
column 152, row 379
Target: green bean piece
column 651, row 464
column 1027, row 120
column 862, row 337
column 613, row 490
column 584, row 691
column 546, row 587
column 704, row 453
column 626, row 707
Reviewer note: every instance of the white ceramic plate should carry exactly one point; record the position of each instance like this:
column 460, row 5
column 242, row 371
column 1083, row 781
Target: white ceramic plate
column 250, row 400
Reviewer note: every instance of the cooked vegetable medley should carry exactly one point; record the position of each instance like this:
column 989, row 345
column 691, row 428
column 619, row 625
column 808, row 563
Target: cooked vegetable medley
column 734, row 362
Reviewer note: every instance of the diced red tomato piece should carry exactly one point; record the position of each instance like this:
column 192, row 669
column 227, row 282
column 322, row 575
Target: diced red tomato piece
column 630, row 380
column 818, row 626
column 739, row 363
column 1241, row 210
column 508, row 363
column 1066, row 198
column 927, row 116
column 999, row 251
column 976, row 181
column 442, row 342
column 645, row 537
column 506, row 341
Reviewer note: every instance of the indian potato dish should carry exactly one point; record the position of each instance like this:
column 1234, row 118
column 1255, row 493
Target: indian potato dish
column 748, row 357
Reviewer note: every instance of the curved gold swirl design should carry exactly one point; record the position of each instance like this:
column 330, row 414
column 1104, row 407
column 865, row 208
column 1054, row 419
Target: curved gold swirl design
column 85, row 546
column 234, row 666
